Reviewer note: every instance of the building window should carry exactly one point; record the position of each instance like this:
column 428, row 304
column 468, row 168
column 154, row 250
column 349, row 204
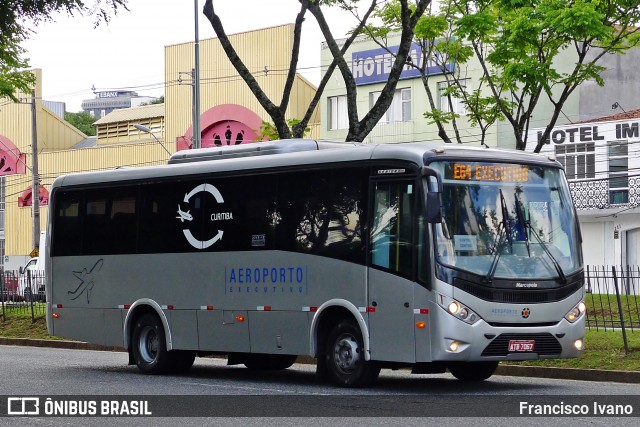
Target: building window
column 448, row 101
column 579, row 160
column 400, row 108
column 338, row 118
column 618, row 152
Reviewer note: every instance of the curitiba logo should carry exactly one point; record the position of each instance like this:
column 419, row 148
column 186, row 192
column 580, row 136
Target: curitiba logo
column 184, row 215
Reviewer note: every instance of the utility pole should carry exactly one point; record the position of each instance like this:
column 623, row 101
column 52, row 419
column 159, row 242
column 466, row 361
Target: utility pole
column 35, row 189
column 196, row 82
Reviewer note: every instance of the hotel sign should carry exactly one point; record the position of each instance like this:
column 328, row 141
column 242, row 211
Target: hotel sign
column 591, row 132
column 374, row 66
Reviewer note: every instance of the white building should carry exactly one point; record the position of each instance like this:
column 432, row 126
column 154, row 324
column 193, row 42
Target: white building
column 602, row 163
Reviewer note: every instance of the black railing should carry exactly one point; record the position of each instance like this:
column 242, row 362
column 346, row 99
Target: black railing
column 613, row 299
column 22, row 295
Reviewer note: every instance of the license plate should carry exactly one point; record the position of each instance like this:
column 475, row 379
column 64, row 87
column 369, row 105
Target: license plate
column 521, row 345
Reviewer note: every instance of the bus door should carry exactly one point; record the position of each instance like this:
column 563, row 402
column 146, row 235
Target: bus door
column 391, row 291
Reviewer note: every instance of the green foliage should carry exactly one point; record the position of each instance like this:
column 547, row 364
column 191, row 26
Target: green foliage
column 12, row 76
column 159, row 100
column 83, row 121
column 268, row 130
column 517, row 46
column 18, row 17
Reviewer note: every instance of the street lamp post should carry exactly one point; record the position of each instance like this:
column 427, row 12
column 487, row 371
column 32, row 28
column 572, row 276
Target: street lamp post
column 147, row 130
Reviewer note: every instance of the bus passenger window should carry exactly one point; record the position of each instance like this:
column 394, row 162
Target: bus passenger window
column 392, row 227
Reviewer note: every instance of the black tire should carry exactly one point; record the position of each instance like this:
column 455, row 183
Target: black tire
column 182, row 360
column 345, row 359
column 149, row 346
column 269, row 362
column 472, row 371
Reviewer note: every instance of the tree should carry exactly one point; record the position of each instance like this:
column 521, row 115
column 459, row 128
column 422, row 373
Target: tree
column 82, row 121
column 17, row 18
column 517, row 45
column 358, row 129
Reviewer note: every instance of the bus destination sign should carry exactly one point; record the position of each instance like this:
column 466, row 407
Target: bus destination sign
column 487, row 172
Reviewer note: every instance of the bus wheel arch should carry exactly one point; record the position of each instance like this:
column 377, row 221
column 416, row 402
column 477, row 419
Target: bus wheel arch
column 328, row 316
column 341, row 347
column 138, row 309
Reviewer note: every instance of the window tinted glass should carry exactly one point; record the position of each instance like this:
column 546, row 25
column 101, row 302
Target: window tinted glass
column 66, row 224
column 319, row 212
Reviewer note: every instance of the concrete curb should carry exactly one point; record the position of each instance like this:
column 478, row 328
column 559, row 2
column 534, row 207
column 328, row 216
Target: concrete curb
column 506, row 370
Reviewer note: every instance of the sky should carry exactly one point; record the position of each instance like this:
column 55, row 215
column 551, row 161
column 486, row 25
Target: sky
column 128, row 53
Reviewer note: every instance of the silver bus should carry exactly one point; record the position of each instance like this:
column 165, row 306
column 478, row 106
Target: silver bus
column 424, row 256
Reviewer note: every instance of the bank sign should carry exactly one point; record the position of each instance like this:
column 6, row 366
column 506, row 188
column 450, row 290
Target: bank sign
column 374, row 66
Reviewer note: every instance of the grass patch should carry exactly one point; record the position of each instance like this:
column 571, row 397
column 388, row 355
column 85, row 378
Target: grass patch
column 22, row 327
column 603, row 310
column 603, row 350
column 18, row 324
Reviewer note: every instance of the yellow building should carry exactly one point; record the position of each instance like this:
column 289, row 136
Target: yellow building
column 230, row 114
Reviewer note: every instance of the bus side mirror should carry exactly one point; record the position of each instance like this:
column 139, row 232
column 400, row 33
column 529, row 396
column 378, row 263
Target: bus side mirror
column 433, row 211
column 432, row 195
column 21, row 270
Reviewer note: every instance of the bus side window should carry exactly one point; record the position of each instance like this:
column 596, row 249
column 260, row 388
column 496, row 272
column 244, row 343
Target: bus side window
column 95, row 234
column 66, row 224
column 391, row 230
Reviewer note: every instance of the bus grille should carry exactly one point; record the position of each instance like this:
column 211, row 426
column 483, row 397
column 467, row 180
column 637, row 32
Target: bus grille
column 518, row 296
column 545, row 344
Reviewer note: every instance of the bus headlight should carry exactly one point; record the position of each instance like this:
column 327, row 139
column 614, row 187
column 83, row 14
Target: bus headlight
column 576, row 312
column 457, row 309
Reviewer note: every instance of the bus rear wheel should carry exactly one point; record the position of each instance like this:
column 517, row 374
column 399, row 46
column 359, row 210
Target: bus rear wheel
column 344, row 357
column 472, row 371
column 149, row 346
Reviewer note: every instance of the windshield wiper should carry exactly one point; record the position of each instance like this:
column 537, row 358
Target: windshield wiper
column 527, row 227
column 505, row 220
column 488, row 278
column 503, row 228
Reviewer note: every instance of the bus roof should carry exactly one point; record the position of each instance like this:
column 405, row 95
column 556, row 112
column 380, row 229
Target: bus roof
column 282, row 153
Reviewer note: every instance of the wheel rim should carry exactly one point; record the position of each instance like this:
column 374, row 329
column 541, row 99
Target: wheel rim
column 346, row 354
column 148, row 344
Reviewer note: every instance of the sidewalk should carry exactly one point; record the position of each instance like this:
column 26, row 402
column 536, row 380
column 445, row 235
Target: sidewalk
column 508, row 370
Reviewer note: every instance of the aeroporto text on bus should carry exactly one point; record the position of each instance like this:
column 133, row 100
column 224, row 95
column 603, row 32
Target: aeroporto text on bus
column 427, row 256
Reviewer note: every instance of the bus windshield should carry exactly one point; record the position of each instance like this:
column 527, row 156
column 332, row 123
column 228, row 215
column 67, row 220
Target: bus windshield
column 507, row 220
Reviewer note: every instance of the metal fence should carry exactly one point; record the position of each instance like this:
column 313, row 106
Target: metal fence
column 22, row 295
column 613, row 299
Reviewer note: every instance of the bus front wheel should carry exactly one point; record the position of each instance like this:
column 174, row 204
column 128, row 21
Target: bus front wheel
column 345, row 359
column 149, row 345
column 472, row 371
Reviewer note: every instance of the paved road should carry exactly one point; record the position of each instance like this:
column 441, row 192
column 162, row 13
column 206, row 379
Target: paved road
column 28, row 371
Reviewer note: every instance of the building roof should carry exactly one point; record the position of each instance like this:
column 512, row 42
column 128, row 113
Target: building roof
column 623, row 115
column 86, row 143
column 132, row 114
